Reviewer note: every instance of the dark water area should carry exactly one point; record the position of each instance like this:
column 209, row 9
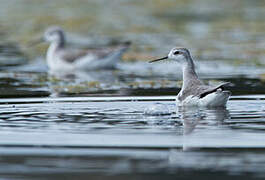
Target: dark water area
column 123, row 123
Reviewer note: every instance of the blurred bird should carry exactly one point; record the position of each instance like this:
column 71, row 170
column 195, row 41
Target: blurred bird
column 194, row 92
column 59, row 58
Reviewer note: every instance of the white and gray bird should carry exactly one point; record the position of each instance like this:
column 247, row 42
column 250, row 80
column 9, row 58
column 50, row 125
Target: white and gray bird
column 59, row 58
column 194, row 92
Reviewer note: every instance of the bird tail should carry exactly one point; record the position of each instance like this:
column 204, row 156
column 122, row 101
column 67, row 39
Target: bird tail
column 118, row 51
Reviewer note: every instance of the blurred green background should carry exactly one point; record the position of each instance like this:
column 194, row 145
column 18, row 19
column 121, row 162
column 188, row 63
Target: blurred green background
column 212, row 29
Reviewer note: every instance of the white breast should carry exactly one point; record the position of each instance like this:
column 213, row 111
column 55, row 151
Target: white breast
column 188, row 101
column 50, row 55
column 55, row 63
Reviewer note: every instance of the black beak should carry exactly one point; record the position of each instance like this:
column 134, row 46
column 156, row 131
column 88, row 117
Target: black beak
column 160, row 59
column 36, row 42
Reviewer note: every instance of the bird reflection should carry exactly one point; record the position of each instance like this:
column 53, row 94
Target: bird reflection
column 99, row 75
column 193, row 117
column 83, row 81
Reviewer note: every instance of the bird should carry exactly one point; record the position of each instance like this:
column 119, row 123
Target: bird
column 193, row 91
column 59, row 58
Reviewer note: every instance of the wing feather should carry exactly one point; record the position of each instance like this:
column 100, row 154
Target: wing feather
column 72, row 55
column 210, row 89
column 200, row 90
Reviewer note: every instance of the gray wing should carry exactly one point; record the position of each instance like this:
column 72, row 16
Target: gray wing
column 71, row 55
column 205, row 90
column 201, row 90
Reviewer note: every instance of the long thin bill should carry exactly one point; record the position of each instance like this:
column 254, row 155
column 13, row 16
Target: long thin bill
column 160, row 59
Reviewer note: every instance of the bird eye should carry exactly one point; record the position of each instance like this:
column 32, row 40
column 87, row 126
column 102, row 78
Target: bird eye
column 176, row 52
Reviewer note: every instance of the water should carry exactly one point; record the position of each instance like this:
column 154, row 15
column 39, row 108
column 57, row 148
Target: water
column 124, row 124
column 113, row 136
column 126, row 136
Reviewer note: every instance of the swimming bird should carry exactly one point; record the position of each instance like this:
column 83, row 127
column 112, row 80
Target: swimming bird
column 59, row 58
column 194, row 92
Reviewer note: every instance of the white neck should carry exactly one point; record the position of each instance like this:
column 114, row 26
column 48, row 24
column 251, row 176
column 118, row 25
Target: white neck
column 50, row 53
column 189, row 74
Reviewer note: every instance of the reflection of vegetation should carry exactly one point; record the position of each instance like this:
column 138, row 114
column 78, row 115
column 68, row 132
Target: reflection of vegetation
column 94, row 86
column 262, row 77
column 41, row 79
